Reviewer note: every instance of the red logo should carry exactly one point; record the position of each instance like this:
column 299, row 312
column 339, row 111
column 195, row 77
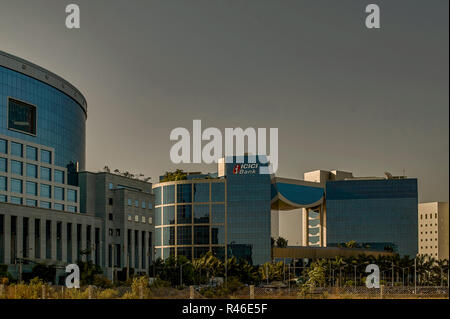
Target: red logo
column 236, row 169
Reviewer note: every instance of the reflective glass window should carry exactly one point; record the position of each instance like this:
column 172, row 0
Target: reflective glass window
column 58, row 176
column 16, row 185
column 72, row 195
column 169, row 215
column 31, row 188
column 201, row 214
column 201, row 192
column 32, row 153
column 3, row 164
column 46, row 173
column 201, row 235
column 217, row 192
column 184, row 235
column 58, row 193
column 46, row 156
column 45, row 191
column 184, row 193
column 32, row 171
column 17, row 167
column 218, row 213
column 16, row 149
column 3, row 146
column 184, row 214
column 3, row 183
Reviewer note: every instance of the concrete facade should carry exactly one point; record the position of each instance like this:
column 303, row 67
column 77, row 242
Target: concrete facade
column 433, row 229
column 125, row 205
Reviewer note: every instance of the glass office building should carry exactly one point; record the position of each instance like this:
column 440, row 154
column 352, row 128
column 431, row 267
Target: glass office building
column 39, row 107
column 190, row 218
column 379, row 213
column 229, row 215
column 42, row 136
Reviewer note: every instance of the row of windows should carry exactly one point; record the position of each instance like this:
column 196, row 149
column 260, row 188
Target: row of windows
column 31, row 188
column 17, row 149
column 188, row 193
column 141, row 219
column 218, row 251
column 431, row 216
column 431, row 239
column 143, row 204
column 31, row 170
column 203, row 214
column 426, row 225
column 430, row 232
column 34, row 203
column 189, row 235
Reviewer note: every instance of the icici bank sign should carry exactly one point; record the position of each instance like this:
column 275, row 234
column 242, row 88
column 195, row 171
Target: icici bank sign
column 249, row 168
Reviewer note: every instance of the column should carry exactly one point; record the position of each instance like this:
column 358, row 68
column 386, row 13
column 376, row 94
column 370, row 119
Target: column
column 83, row 240
column 19, row 237
column 43, row 238
column 305, row 217
column 31, row 238
column 92, row 248
column 125, row 247
column 54, row 240
column 74, row 242
column 145, row 257
column 139, row 239
column 64, row 241
column 133, row 250
column 7, row 238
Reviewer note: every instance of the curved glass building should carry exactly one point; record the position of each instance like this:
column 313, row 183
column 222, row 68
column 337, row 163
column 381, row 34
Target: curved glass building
column 40, row 107
column 190, row 218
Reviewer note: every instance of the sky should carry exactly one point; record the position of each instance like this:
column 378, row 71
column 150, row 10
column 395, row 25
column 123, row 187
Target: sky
column 342, row 96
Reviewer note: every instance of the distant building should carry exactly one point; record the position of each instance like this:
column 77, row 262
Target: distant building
column 433, row 229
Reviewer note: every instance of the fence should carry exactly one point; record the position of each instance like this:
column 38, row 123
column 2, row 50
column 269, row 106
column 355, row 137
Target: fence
column 91, row 292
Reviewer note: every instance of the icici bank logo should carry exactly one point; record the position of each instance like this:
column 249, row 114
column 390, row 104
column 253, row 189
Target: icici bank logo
column 236, row 169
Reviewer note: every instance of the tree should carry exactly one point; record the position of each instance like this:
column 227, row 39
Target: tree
column 351, row 244
column 281, row 242
column 89, row 272
column 45, row 272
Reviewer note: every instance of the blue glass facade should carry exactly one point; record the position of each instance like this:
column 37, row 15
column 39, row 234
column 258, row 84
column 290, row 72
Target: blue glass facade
column 248, row 213
column 377, row 212
column 61, row 121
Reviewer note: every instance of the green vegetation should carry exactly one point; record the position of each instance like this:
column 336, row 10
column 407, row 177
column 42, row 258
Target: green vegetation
column 177, row 175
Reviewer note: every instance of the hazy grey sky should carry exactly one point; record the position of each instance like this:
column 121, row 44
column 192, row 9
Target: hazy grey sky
column 343, row 97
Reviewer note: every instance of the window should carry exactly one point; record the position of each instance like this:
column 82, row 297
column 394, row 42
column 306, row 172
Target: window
column 136, row 218
column 3, row 183
column 201, row 192
column 16, row 200
column 130, row 202
column 150, row 220
column 31, row 202
column 16, row 167
column 110, row 201
column 46, row 156
column 136, row 203
column 32, row 153
column 143, row 204
column 118, row 232
column 44, row 204
column 16, row 186
column 143, row 219
column 110, row 216
column 58, row 206
column 111, row 186
column 72, row 209
column 46, row 173
column 110, row 232
column 32, row 171
column 3, row 146
column 58, row 193
column 31, row 188
column 21, row 116
column 3, row 198
column 129, row 217
column 150, row 206
column 16, row 149
column 58, row 176
column 3, row 165
column 72, row 195
column 46, row 191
